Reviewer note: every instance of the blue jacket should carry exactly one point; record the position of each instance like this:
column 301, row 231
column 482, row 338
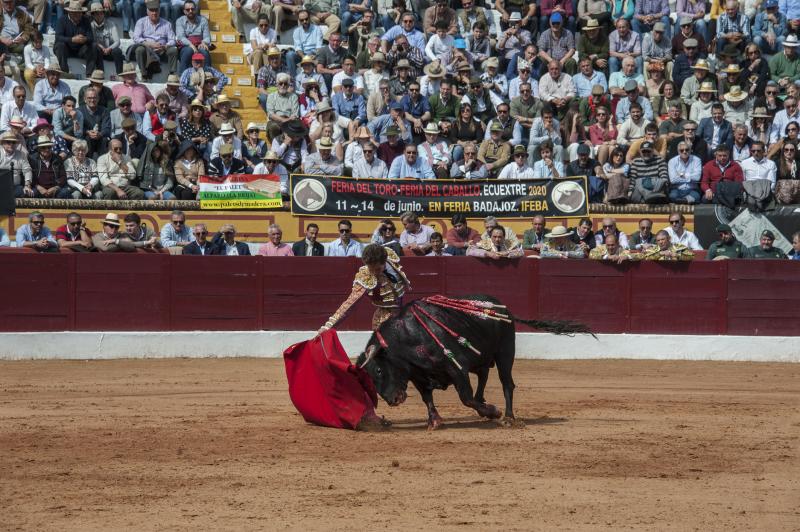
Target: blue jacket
column 705, row 131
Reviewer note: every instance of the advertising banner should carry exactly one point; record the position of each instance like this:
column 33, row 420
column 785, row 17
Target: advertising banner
column 240, row 191
column 388, row 198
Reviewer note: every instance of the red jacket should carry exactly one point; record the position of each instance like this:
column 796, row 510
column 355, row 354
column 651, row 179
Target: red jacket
column 713, row 174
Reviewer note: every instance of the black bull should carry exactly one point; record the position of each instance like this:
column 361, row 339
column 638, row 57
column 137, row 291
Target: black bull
column 411, row 354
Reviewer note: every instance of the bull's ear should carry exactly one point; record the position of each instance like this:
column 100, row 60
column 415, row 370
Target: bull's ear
column 371, row 350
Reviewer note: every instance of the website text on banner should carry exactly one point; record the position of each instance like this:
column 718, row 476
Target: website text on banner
column 240, row 191
column 342, row 196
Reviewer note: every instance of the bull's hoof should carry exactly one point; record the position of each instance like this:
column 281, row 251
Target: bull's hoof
column 489, row 411
column 372, row 423
column 512, row 423
column 435, row 422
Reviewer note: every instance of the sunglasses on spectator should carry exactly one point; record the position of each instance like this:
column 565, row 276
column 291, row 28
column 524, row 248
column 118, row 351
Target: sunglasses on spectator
column 411, row 152
column 345, row 231
column 683, row 150
column 301, row 20
column 608, row 226
column 201, row 233
column 178, row 222
column 789, row 149
column 673, row 222
column 756, row 150
column 36, row 222
column 772, row 93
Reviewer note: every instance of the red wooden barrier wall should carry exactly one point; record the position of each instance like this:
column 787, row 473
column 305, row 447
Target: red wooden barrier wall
column 146, row 292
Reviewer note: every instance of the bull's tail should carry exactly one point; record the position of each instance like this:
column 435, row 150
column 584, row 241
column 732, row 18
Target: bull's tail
column 570, row 328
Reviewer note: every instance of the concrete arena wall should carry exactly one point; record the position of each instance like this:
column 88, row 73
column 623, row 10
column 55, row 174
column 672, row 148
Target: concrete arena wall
column 270, row 344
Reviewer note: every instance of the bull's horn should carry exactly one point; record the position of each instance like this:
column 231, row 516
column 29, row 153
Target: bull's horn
column 370, row 353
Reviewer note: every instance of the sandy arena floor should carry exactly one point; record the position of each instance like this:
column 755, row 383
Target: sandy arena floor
column 216, row 444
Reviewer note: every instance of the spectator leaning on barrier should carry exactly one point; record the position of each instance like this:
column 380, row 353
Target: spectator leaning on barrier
column 73, row 235
column 558, row 245
column 309, row 247
column 224, row 243
column 460, row 236
column 35, row 235
column 764, row 249
column 275, row 248
column 437, row 246
column 344, row 246
column 496, row 246
column 680, row 235
column 109, row 239
column 141, row 236
column 794, row 254
column 610, row 250
column 666, row 250
column 415, row 238
column 200, row 244
column 176, row 234
column 727, row 247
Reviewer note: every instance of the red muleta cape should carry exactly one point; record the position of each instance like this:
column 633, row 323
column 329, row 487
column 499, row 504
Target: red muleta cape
column 324, row 386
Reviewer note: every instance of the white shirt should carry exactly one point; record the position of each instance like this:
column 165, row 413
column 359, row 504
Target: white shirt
column 764, row 169
column 513, row 87
column 563, row 87
column 255, row 35
column 515, row 171
column 779, row 124
column 7, row 91
column 687, row 238
column 358, row 80
column 622, row 239
column 230, row 249
column 10, row 110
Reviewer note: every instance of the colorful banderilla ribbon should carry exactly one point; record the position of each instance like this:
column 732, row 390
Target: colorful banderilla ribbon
column 460, row 339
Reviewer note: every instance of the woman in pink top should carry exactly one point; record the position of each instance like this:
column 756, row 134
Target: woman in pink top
column 274, row 248
column 603, row 134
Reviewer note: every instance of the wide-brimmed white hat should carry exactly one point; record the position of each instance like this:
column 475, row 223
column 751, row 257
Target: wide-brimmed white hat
column 558, row 231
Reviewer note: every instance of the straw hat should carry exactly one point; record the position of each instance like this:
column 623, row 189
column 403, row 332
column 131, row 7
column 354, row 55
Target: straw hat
column 54, row 67
column 96, row 7
column 701, row 64
column 592, row 24
column 128, row 69
column 733, row 68
column 222, row 98
column 434, row 70
column 759, row 112
column 251, row 126
column 174, row 80
column 325, row 143
column 44, row 142
column 791, row 41
column 197, row 103
column 378, row 57
column 8, row 136
column 558, row 231
column 98, row 76
column 403, row 63
column 227, row 129
column 308, row 60
column 226, row 149
column 324, row 106
column 75, row 6
column 736, row 94
column 271, row 156
column 111, row 218
column 706, row 86
column 431, row 129
column 363, row 133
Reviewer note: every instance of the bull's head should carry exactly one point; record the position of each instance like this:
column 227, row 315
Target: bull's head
column 389, row 378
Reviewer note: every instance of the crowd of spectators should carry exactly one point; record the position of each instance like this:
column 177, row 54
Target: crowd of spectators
column 685, row 105
column 497, row 242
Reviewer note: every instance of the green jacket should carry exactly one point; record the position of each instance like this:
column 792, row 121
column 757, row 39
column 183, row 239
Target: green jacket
column 734, row 250
column 440, row 111
column 756, row 252
column 780, row 67
column 587, row 47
